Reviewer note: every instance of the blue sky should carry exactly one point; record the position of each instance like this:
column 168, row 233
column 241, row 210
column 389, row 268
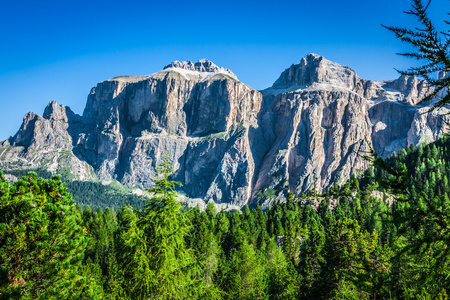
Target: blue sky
column 58, row 50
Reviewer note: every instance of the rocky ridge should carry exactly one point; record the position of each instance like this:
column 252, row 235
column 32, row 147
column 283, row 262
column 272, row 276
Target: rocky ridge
column 228, row 142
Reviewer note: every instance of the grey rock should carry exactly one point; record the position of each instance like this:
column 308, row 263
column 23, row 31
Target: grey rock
column 202, row 66
column 228, row 142
column 314, row 68
column 318, row 115
column 46, row 142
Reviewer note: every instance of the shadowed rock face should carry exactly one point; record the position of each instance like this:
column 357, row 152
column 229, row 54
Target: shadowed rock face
column 226, row 140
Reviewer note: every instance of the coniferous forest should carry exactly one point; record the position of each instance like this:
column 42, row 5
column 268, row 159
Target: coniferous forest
column 382, row 235
column 353, row 242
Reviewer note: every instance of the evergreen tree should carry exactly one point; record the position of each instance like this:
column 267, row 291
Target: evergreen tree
column 206, row 249
column 155, row 260
column 432, row 48
column 291, row 241
column 348, row 253
column 281, row 276
column 311, row 260
column 423, row 223
column 42, row 242
column 245, row 275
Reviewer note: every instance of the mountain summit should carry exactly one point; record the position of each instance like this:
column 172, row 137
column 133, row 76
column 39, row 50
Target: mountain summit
column 314, row 68
column 228, row 142
column 201, row 66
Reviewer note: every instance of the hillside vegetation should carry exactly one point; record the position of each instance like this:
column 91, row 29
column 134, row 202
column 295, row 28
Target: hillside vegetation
column 352, row 245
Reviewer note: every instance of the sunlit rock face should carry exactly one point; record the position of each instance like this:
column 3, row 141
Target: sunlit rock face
column 319, row 116
column 227, row 141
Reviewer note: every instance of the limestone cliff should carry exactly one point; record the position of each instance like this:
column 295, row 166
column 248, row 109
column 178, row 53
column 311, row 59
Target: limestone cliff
column 46, row 142
column 226, row 140
column 318, row 115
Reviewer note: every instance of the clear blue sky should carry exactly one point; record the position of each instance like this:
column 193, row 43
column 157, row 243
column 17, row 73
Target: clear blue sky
column 58, row 50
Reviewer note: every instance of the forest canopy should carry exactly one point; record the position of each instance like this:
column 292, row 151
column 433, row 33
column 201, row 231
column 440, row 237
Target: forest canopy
column 383, row 235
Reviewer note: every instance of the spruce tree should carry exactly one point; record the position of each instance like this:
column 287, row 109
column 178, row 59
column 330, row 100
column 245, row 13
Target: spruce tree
column 282, row 279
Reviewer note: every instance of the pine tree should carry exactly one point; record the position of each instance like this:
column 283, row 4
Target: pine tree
column 352, row 268
column 155, row 260
column 432, row 48
column 291, row 241
column 221, row 226
column 423, row 222
column 42, row 242
column 202, row 241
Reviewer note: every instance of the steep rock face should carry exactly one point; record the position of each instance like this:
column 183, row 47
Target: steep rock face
column 318, row 115
column 427, row 126
column 137, row 120
column 45, row 142
column 219, row 167
column 412, row 87
column 50, row 130
column 318, row 132
column 228, row 142
column 192, row 114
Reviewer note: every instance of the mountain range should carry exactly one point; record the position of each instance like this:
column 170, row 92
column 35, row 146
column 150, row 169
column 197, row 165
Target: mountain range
column 228, row 142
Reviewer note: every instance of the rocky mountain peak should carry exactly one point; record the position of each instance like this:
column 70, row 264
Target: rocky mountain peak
column 55, row 112
column 228, row 142
column 201, row 66
column 185, row 65
column 314, row 68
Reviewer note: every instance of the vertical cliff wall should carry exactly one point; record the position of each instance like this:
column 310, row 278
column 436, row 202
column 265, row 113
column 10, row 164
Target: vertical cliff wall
column 227, row 141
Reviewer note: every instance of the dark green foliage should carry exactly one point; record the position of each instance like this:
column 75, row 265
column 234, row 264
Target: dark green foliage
column 420, row 217
column 432, row 48
column 350, row 268
column 94, row 194
column 356, row 244
column 98, row 195
column 419, row 179
column 385, row 235
column 282, row 278
column 244, row 274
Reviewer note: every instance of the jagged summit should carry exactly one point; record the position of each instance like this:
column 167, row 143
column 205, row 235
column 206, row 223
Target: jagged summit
column 314, row 72
column 201, row 66
column 314, row 68
column 53, row 111
column 228, row 142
